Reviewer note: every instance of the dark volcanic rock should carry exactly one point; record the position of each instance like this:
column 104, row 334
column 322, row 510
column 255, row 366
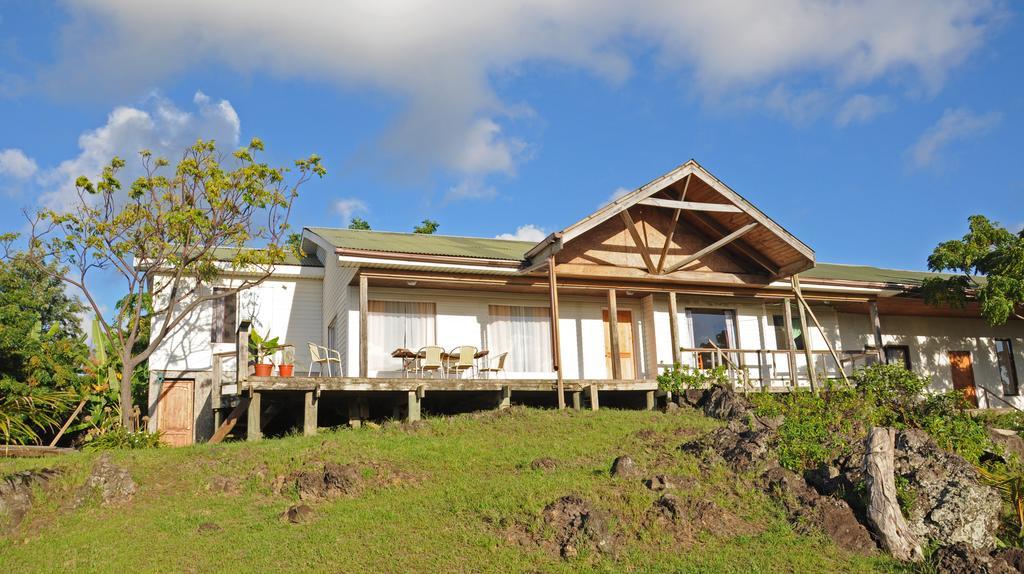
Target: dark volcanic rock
column 951, row 505
column 804, row 506
column 112, row 482
column 299, row 513
column 660, row 482
column 577, row 526
column 624, row 467
column 741, row 450
column 962, row 559
column 544, row 463
column 723, row 403
column 333, row 480
column 16, row 494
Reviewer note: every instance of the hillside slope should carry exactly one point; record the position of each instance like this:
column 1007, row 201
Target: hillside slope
column 472, row 493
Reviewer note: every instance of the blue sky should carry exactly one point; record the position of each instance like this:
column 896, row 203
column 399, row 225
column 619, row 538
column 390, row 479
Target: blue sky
column 870, row 130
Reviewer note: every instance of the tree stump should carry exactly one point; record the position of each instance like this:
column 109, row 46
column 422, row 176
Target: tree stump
column 884, row 514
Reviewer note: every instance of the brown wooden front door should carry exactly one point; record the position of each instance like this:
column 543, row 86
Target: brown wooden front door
column 625, row 319
column 175, row 412
column 963, row 375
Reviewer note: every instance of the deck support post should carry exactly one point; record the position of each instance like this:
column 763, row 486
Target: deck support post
column 358, row 409
column 650, row 337
column 242, row 355
column 254, row 431
column 216, row 382
column 309, row 413
column 414, row 401
column 613, row 335
column 673, row 325
column 649, row 396
column 556, row 346
column 791, row 340
column 504, row 397
column 876, row 326
column 805, row 330
column 577, row 400
column 364, row 310
column 592, row 389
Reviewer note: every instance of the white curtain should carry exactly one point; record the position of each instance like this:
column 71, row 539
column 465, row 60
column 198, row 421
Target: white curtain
column 394, row 324
column 525, row 334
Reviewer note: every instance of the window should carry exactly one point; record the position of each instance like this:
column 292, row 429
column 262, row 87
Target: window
column 1007, row 367
column 224, row 317
column 898, row 355
column 332, row 334
column 524, row 333
column 781, row 341
column 711, row 326
column 394, row 324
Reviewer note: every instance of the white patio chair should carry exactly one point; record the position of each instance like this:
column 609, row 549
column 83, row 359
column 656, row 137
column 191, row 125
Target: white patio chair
column 495, row 365
column 461, row 359
column 322, row 356
column 429, row 359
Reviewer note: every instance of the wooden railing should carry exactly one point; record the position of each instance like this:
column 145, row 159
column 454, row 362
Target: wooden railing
column 772, row 369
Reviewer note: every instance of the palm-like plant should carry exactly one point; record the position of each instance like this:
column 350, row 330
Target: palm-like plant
column 1010, row 483
column 25, row 410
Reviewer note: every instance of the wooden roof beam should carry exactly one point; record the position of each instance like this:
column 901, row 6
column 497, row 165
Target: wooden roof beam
column 739, row 246
column 672, row 227
column 690, row 205
column 641, row 245
column 714, row 246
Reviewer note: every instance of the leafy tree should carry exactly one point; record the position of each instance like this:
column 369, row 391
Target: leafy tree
column 987, row 264
column 169, row 236
column 427, row 227
column 359, row 223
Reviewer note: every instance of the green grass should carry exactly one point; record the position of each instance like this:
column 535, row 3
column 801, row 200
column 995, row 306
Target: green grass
column 444, row 497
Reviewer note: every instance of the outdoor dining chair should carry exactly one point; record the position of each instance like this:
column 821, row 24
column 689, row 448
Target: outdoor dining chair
column 322, row 356
column 461, row 359
column 429, row 358
column 496, row 365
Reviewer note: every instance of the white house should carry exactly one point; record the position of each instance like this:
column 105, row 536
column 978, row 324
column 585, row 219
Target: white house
column 693, row 273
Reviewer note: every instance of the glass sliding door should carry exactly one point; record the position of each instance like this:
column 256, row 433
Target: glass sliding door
column 395, row 324
column 524, row 333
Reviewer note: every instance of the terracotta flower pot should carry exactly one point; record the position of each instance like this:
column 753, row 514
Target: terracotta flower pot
column 286, row 370
column 263, row 370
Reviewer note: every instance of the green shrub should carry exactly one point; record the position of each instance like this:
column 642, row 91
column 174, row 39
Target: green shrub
column 120, row 438
column 28, row 410
column 894, row 393
column 680, row 378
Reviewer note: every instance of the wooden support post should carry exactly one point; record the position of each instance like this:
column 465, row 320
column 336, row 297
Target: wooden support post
column 255, row 430
column 229, row 423
column 791, row 355
column 638, row 241
column 556, row 346
column 762, row 355
column 808, row 352
column 242, row 355
column 505, row 397
column 876, row 326
column 577, row 400
column 592, row 389
column 613, row 336
column 831, row 349
column 414, row 402
column 672, row 228
column 358, row 409
column 673, row 326
column 650, row 337
column 649, row 396
column 713, row 247
column 364, row 321
column 309, row 414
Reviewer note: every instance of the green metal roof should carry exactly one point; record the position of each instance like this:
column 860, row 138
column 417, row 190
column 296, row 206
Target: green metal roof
column 841, row 272
column 424, row 244
column 228, row 254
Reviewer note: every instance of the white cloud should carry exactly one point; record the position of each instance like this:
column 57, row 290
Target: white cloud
column 619, row 192
column 470, row 188
column 159, row 126
column 346, row 207
column 16, row 165
column 440, row 62
column 528, row 232
column 795, row 107
column 955, row 124
column 860, row 108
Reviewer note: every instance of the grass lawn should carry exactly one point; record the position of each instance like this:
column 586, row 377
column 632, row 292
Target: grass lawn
column 452, row 495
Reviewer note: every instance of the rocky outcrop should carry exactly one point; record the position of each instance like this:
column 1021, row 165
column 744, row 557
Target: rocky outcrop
column 330, row 481
column 577, row 526
column 962, row 559
column 16, row 494
column 806, row 508
column 624, row 467
column 112, row 483
column 741, row 448
column 1008, row 441
column 950, row 504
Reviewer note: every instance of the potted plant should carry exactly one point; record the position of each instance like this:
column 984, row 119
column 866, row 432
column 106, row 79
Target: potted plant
column 261, row 348
column 287, row 366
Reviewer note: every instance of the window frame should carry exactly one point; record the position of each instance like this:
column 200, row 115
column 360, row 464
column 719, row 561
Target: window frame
column 221, row 319
column 1012, row 368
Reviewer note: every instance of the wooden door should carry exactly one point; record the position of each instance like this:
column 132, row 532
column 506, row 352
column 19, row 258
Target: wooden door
column 175, row 412
column 963, row 375
column 626, row 360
